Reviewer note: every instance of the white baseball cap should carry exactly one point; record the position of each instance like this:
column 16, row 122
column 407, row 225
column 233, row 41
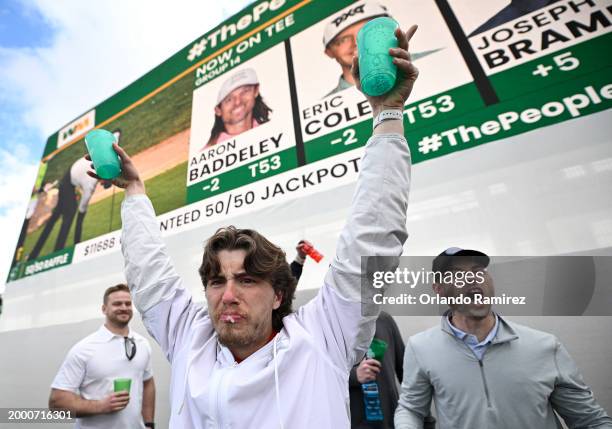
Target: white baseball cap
column 347, row 17
column 240, row 78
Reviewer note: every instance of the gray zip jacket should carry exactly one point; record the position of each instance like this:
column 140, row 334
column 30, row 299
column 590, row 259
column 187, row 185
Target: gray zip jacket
column 523, row 376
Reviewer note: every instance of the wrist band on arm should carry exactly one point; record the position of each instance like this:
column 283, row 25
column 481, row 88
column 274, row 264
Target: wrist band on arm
column 388, row 115
column 150, row 425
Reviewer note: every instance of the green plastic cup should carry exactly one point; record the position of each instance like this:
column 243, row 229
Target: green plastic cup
column 122, row 384
column 105, row 160
column 376, row 69
column 378, row 349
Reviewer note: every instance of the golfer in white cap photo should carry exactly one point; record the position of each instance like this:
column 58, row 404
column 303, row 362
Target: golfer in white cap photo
column 340, row 38
column 239, row 107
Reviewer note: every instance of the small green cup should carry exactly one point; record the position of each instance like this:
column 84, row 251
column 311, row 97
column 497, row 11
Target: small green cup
column 378, row 349
column 105, row 160
column 122, row 384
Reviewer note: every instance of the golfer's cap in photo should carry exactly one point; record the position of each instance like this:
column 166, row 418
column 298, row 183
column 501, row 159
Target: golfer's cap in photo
column 349, row 16
column 444, row 260
column 240, row 78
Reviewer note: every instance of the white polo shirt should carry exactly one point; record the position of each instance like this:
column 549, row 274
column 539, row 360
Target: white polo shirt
column 92, row 365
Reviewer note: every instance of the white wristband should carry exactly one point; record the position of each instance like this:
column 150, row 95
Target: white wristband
column 388, row 115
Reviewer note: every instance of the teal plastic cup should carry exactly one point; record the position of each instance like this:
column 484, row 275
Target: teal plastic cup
column 106, row 162
column 376, row 69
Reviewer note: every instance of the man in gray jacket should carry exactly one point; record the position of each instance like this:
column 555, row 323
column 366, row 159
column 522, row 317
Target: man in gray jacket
column 485, row 372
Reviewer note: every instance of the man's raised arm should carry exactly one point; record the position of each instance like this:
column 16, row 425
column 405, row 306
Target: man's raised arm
column 157, row 290
column 376, row 225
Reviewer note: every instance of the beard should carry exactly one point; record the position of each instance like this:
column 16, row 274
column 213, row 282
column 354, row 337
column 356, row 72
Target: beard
column 242, row 334
column 119, row 320
column 471, row 310
column 346, row 60
column 474, row 311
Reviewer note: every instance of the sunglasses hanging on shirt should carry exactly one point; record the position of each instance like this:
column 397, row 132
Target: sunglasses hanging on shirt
column 130, row 347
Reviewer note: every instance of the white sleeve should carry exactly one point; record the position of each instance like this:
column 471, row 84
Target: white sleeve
column 71, row 373
column 148, row 372
column 167, row 309
column 376, row 226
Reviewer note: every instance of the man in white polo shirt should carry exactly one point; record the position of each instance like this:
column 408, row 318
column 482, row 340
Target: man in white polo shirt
column 84, row 383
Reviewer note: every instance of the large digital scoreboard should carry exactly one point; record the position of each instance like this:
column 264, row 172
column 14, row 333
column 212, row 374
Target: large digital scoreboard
column 489, row 69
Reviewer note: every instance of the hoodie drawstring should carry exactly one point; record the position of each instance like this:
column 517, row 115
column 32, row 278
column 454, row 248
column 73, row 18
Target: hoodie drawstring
column 278, row 407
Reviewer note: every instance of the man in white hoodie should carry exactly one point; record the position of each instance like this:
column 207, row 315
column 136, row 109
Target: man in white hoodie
column 248, row 361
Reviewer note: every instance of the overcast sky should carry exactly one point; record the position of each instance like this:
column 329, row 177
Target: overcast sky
column 59, row 58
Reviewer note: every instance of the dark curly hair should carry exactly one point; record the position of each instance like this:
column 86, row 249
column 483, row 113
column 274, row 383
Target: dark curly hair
column 263, row 259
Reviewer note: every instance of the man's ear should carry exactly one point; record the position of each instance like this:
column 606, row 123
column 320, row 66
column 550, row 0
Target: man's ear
column 438, row 288
column 104, row 308
column 256, row 90
column 329, row 53
column 217, row 111
column 278, row 300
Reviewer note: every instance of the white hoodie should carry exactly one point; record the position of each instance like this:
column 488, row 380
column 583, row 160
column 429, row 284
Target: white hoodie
column 300, row 379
